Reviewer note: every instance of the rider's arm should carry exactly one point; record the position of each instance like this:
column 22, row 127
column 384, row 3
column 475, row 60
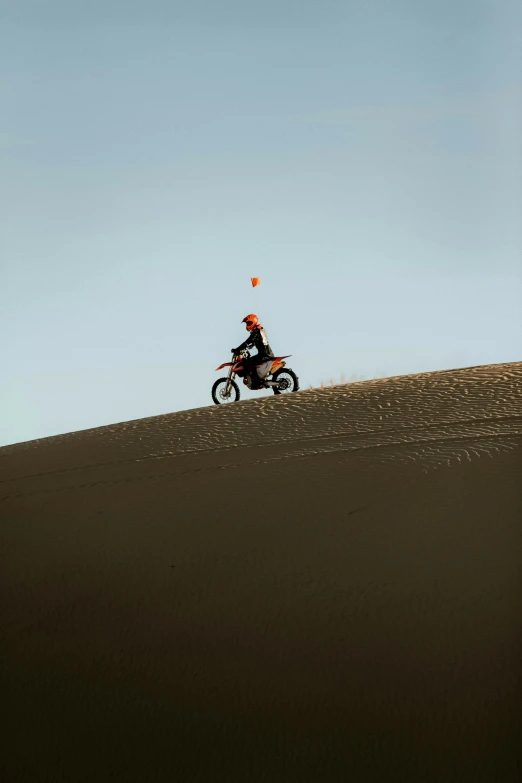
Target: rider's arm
column 247, row 344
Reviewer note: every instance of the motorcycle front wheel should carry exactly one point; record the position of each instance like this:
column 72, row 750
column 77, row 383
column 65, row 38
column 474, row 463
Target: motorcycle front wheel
column 225, row 390
column 287, row 381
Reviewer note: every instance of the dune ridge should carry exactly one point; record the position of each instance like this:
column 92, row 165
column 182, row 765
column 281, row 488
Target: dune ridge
column 324, row 586
column 430, row 408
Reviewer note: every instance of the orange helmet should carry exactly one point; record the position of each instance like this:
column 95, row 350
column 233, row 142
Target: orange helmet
column 251, row 321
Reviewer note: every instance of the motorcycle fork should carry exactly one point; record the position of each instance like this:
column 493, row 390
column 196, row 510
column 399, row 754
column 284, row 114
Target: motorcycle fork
column 229, row 379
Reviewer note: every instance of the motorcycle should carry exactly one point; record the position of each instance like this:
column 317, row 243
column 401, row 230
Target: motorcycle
column 272, row 374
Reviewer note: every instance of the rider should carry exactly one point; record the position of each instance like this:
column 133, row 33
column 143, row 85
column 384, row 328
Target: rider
column 257, row 339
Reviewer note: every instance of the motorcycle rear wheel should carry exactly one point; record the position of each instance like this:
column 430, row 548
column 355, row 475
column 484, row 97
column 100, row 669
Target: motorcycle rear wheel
column 287, row 381
column 219, row 391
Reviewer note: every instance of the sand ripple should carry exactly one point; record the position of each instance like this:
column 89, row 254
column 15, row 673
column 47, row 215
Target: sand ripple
column 431, row 419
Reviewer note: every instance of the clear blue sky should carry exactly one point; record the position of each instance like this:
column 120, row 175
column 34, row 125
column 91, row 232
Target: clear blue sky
column 363, row 158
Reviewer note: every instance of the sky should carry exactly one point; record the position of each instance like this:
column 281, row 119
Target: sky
column 364, row 159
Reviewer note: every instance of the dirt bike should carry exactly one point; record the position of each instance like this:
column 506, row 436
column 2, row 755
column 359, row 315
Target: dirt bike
column 272, row 374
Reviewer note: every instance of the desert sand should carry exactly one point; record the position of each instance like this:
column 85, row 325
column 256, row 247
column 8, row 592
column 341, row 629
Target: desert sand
column 316, row 587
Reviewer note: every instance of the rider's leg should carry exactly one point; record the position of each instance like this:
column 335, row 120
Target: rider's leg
column 252, row 371
column 256, row 380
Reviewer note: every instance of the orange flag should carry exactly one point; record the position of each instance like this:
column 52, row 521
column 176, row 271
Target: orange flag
column 255, row 281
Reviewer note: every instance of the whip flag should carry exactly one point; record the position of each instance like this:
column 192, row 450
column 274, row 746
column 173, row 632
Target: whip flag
column 255, row 281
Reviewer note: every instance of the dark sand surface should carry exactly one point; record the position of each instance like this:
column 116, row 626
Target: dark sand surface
column 364, row 625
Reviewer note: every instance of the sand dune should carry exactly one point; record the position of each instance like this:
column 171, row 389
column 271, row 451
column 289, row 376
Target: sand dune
column 320, row 587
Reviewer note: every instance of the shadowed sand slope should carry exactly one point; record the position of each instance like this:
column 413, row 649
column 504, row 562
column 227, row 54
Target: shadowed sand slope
column 320, row 587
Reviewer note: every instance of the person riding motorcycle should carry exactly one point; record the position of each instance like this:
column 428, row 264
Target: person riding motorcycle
column 257, row 339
